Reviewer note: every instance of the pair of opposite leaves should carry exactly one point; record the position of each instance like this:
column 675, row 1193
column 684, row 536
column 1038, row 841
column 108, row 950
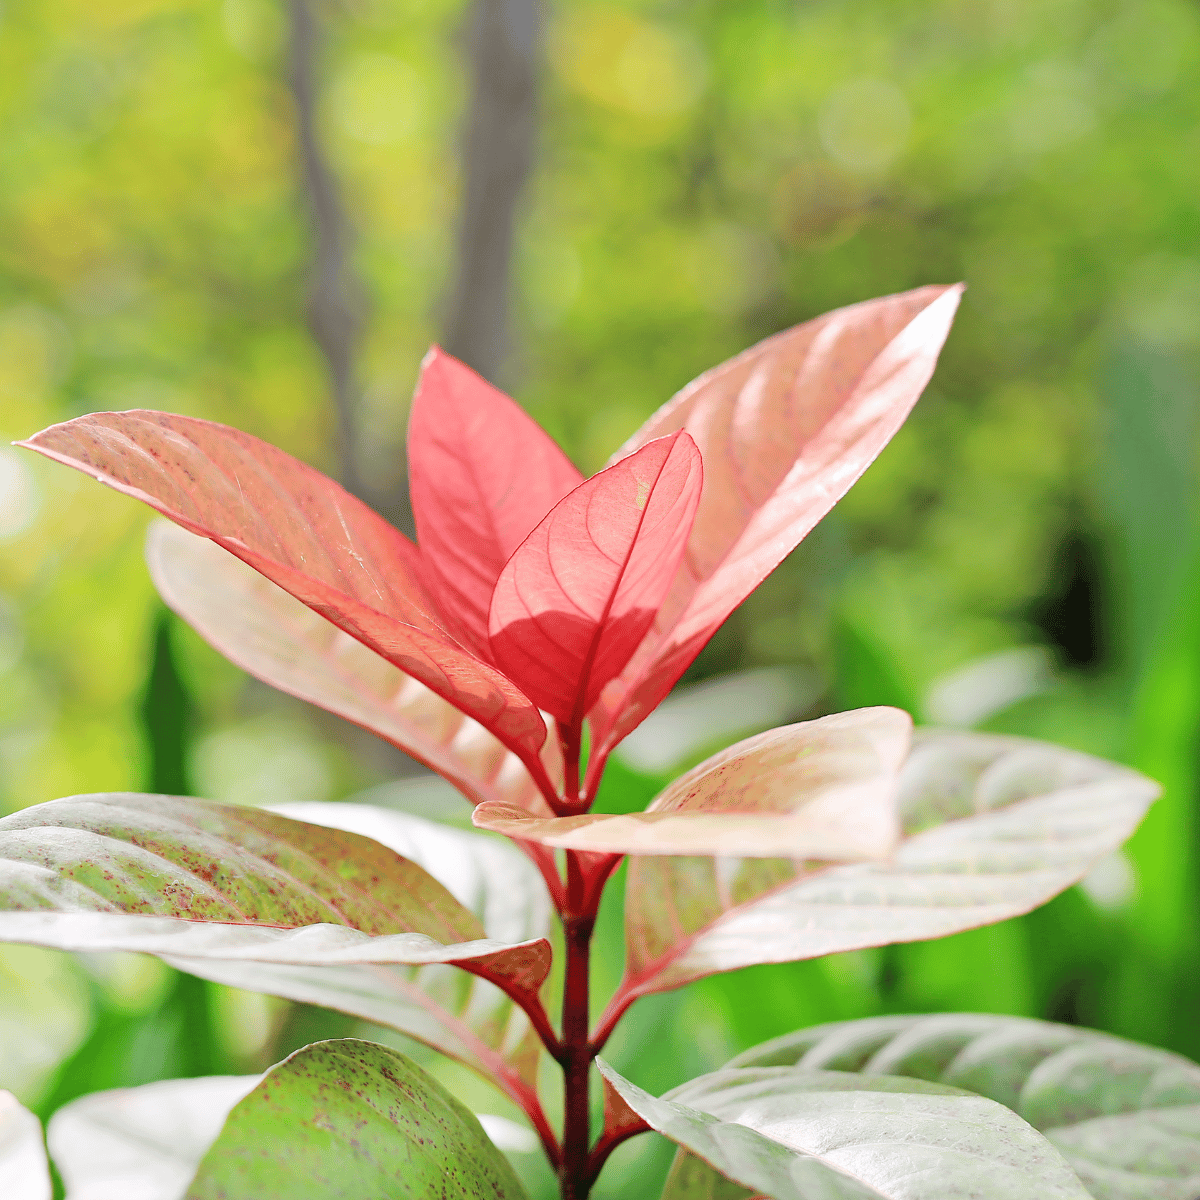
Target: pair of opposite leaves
column 533, row 589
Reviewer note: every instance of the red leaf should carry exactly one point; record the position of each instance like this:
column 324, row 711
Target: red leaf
column 575, row 600
column 302, row 531
column 482, row 475
column 784, row 430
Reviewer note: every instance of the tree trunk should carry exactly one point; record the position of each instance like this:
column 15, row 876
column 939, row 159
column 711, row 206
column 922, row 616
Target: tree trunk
column 498, row 157
column 336, row 305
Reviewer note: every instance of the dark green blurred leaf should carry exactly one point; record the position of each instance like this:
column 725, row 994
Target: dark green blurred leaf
column 1164, row 919
column 865, row 673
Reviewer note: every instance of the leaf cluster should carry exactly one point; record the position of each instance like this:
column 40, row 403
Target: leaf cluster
column 535, row 624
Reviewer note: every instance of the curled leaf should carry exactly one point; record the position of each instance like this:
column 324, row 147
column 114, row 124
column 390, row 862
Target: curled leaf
column 794, row 1134
column 823, row 789
column 260, row 901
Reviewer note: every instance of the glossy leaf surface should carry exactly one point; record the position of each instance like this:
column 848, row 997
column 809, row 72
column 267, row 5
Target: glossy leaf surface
column 578, row 595
column 993, row 826
column 301, row 911
column 464, row 1016
column 269, row 633
column 823, row 789
column 302, row 531
column 784, row 430
column 796, row 1134
column 166, row 856
column 1125, row 1117
column 23, row 1169
column 352, row 1119
column 141, row 1143
column 482, row 474
column 487, row 876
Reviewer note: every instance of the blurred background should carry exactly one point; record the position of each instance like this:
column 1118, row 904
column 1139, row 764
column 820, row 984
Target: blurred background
column 264, row 211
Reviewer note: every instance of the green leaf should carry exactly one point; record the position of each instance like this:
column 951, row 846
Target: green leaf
column 820, row 789
column 23, row 1168
column 463, row 1016
column 148, row 1141
column 691, row 1178
column 798, row 1134
column 1125, row 1116
column 143, row 1141
column 351, row 1119
column 993, row 826
column 259, row 900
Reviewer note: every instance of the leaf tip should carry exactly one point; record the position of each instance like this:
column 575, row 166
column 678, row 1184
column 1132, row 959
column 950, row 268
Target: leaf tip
column 496, row 815
column 435, row 354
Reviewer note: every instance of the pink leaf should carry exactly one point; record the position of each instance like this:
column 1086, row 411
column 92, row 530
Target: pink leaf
column 784, row 430
column 579, row 594
column 482, row 475
column 302, row 531
column 823, row 789
column 991, row 827
column 257, row 625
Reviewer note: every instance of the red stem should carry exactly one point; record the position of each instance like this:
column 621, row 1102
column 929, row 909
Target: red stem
column 577, row 903
column 572, row 746
column 575, row 1053
column 537, row 771
column 609, row 1141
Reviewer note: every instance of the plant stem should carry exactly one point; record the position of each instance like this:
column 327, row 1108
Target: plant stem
column 572, row 747
column 575, row 1052
column 608, row 1142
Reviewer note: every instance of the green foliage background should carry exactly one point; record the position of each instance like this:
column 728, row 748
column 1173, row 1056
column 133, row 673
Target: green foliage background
column 708, row 173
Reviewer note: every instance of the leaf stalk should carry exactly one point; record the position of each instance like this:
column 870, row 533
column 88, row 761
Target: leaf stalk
column 575, row 1179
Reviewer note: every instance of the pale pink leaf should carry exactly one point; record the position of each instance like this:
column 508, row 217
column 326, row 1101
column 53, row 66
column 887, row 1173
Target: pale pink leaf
column 784, row 430
column 991, row 827
column 823, row 789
